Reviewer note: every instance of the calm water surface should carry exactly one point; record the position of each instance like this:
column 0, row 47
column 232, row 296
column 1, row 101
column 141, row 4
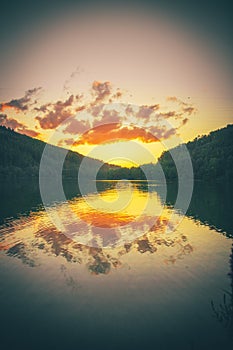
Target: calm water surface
column 132, row 285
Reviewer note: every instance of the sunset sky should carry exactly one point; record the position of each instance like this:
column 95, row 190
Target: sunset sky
column 117, row 82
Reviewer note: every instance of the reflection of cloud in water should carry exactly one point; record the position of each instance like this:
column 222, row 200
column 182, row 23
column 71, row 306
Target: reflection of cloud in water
column 110, row 234
column 51, row 242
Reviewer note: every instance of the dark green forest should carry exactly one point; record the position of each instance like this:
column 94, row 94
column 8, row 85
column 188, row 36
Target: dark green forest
column 211, row 155
column 21, row 155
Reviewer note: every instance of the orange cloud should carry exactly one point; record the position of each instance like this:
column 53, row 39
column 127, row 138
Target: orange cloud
column 106, row 220
column 114, row 132
column 67, row 142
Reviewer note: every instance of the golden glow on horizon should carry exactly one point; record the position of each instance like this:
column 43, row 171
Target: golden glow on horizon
column 163, row 60
column 123, row 153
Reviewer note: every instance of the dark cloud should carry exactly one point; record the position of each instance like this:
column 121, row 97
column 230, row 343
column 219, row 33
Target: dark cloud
column 21, row 104
column 145, row 111
column 184, row 121
column 43, row 108
column 3, row 117
column 53, row 119
column 101, row 90
column 10, row 122
column 24, row 130
column 58, row 114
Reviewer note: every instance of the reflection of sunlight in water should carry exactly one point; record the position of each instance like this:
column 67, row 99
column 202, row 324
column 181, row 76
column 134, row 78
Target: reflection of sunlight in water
column 100, row 221
column 122, row 201
column 27, row 237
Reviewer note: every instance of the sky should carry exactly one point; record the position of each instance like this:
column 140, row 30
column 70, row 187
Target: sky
column 118, row 81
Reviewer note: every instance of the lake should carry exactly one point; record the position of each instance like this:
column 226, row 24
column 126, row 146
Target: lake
column 116, row 269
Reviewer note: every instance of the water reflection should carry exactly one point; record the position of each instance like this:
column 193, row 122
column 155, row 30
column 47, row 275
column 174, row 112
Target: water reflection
column 25, row 237
column 224, row 310
column 145, row 288
column 24, row 244
column 33, row 231
column 211, row 204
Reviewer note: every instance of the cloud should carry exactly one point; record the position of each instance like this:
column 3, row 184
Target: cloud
column 57, row 114
column 146, row 111
column 108, row 116
column 189, row 110
column 173, row 99
column 186, row 108
column 162, row 132
column 9, row 122
column 170, row 114
column 21, row 104
column 114, row 132
column 118, row 94
column 72, row 76
column 108, row 124
column 68, row 142
column 101, row 90
column 24, row 130
column 17, row 126
column 184, row 121
column 96, row 110
column 53, row 114
column 75, row 126
column 53, row 119
column 100, row 112
column 80, row 108
column 43, row 108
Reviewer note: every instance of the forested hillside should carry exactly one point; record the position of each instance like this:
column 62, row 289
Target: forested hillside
column 21, row 155
column 211, row 155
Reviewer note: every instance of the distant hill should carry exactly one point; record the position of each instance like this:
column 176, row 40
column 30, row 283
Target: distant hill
column 211, row 155
column 21, row 155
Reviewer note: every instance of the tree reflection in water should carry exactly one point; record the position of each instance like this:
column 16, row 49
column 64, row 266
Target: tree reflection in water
column 224, row 311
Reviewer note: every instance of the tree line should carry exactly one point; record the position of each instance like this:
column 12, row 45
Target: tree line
column 211, row 155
